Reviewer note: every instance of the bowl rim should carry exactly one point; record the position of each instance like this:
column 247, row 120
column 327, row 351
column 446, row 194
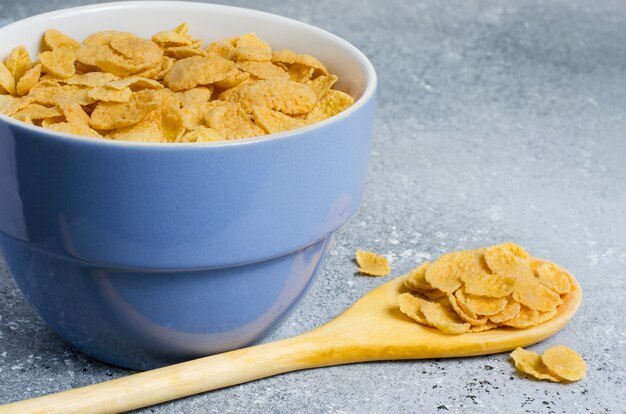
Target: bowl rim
column 367, row 95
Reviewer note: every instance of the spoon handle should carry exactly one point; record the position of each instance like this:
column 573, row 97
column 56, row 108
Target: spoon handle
column 182, row 380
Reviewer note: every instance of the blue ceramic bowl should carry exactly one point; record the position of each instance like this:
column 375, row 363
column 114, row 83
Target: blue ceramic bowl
column 142, row 255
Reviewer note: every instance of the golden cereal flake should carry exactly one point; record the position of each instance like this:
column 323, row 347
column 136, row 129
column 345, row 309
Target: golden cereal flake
column 299, row 73
column 464, row 313
column 281, row 95
column 290, row 57
column 480, row 281
column 135, row 83
column 35, row 111
column 372, row 264
column 105, row 37
column 172, row 38
column 182, row 52
column 529, row 362
column 445, row 272
column 78, row 119
column 91, row 79
column 250, row 47
column 109, row 61
column 53, row 39
column 51, row 94
column 9, row 105
column 88, row 55
column 433, row 294
column 554, row 278
column 223, row 48
column 28, row 80
column 461, row 297
column 330, row 104
column 484, row 305
column 529, row 317
column 233, row 78
column 321, row 84
column 194, row 104
column 410, row 306
column 273, row 121
column 108, row 94
column 191, row 72
column 263, row 70
column 59, row 62
column 171, row 120
column 202, row 134
column 443, row 318
column 416, row 278
column 564, row 362
column 18, row 62
column 508, row 259
column 510, row 311
column 231, row 121
column 7, row 82
column 485, row 284
column 157, row 72
column 147, row 130
column 531, row 293
column 194, row 96
column 482, row 328
column 112, row 115
column 46, row 122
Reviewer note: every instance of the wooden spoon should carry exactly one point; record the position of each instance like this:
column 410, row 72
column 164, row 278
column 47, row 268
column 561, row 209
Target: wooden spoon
column 373, row 329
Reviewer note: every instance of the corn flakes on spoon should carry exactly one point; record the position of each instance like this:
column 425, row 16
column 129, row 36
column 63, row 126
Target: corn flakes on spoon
column 373, row 329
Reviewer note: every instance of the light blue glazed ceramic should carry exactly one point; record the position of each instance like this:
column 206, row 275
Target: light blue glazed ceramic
column 142, row 255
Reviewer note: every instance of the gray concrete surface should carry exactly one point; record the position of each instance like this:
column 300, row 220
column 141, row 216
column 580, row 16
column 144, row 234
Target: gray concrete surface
column 497, row 121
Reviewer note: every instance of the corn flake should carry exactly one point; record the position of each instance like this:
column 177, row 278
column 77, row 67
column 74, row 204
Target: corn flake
column 531, row 293
column 91, row 79
column 529, row 362
column 443, row 318
column 273, row 121
column 7, row 82
column 281, row 95
column 250, row 47
column 564, row 362
column 372, row 264
column 9, row 105
column 410, row 306
column 18, row 62
column 554, row 278
column 202, row 134
column 28, row 80
column 263, row 70
column 289, row 57
column 53, row 39
column 330, row 104
column 445, row 273
column 108, row 94
column 112, row 115
column 484, row 305
column 233, row 79
column 35, row 111
column 58, row 62
column 191, row 72
column 510, row 311
column 230, row 120
column 416, row 278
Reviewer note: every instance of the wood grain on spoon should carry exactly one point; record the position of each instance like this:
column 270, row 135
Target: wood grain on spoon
column 372, row 329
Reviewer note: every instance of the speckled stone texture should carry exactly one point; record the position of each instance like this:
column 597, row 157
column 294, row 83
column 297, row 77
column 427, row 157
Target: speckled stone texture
column 497, row 121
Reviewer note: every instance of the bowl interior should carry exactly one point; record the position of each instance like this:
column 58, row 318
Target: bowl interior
column 206, row 21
